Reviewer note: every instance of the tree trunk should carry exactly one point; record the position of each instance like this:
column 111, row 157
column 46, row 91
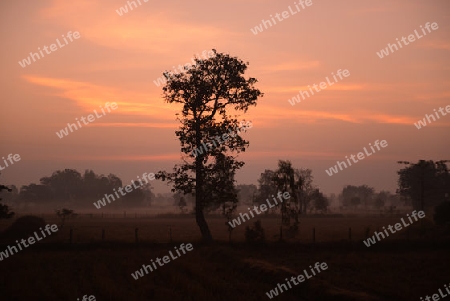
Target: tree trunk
column 199, row 197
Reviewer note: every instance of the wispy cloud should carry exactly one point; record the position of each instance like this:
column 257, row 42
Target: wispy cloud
column 90, row 96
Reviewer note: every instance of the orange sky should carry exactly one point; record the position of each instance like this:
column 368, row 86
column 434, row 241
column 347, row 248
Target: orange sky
column 117, row 58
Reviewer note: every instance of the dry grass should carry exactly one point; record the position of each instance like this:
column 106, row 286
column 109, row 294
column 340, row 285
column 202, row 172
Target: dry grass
column 153, row 229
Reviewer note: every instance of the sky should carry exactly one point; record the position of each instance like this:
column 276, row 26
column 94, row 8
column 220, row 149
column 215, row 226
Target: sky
column 117, row 58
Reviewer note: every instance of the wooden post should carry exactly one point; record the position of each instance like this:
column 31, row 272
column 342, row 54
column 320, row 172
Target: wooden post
column 350, row 234
column 70, row 235
column 136, row 235
column 314, row 234
column 103, row 234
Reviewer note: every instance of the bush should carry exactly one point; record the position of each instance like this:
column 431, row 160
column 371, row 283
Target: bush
column 23, row 226
column 442, row 213
column 5, row 212
column 63, row 214
column 255, row 234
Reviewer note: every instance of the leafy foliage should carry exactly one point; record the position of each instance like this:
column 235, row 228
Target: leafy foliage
column 320, row 202
column 209, row 93
column 425, row 180
column 69, row 186
column 255, row 234
column 5, row 211
column 63, row 214
column 23, row 226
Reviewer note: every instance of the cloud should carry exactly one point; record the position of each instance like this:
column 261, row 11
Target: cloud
column 91, row 96
column 144, row 158
column 442, row 44
column 144, row 29
column 290, row 66
column 270, row 114
column 338, row 86
column 137, row 124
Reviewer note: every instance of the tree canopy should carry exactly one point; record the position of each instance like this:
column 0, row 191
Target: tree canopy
column 212, row 94
column 424, row 181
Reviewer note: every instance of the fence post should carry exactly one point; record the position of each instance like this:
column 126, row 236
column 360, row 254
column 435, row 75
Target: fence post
column 70, row 235
column 314, row 234
column 350, row 234
column 136, row 235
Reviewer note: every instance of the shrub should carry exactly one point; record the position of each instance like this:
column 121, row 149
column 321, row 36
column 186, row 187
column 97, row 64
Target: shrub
column 255, row 234
column 5, row 212
column 23, row 226
column 442, row 213
column 63, row 214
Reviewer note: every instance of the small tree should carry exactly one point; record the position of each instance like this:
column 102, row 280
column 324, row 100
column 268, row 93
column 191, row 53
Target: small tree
column 255, row 234
column 182, row 205
column 211, row 94
column 320, row 201
column 228, row 209
column 63, row 214
column 5, row 211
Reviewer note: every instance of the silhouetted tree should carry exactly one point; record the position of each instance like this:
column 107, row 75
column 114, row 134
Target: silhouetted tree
column 69, row 186
column 65, row 184
column 307, row 190
column 320, row 202
column 255, row 234
column 364, row 194
column 182, row 205
column 35, row 193
column 287, row 180
column 10, row 195
column 246, row 193
column 136, row 197
column 63, row 214
column 381, row 199
column 266, row 187
column 355, row 201
column 209, row 92
column 426, row 183
column 5, row 211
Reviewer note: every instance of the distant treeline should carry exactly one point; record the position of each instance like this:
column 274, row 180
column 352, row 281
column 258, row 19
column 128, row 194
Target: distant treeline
column 68, row 187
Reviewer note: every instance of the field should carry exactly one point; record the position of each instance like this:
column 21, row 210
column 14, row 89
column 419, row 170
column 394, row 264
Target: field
column 409, row 265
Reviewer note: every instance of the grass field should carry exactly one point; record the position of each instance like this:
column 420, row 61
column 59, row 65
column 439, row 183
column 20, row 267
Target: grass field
column 392, row 269
column 184, row 228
